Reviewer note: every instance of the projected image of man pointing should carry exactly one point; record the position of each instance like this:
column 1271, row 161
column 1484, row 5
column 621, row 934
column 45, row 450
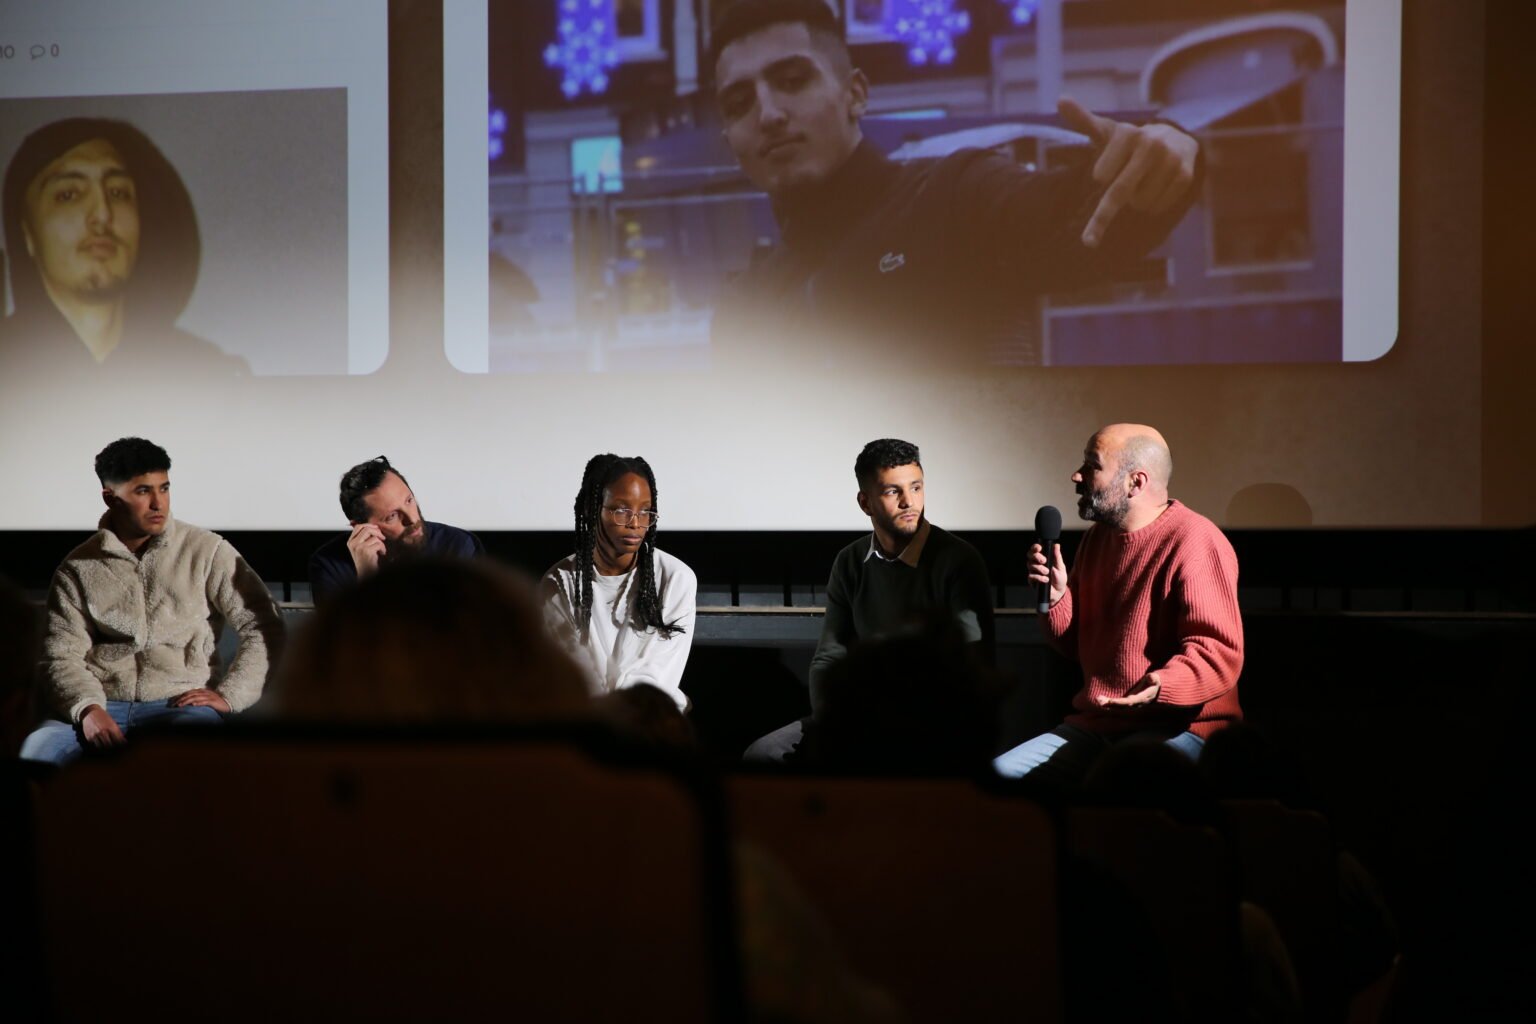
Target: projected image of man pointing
column 103, row 250
column 932, row 259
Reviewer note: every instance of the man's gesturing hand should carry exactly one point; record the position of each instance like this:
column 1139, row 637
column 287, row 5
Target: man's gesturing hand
column 1146, row 168
column 201, row 697
column 1150, row 686
column 367, row 546
column 99, row 730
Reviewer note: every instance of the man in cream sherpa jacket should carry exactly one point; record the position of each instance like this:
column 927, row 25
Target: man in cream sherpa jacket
column 134, row 615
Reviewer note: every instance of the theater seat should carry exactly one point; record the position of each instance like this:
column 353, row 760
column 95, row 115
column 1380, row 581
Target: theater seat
column 941, row 894
column 377, row 876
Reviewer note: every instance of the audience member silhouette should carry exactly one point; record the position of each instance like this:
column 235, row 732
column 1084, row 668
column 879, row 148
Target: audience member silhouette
column 459, row 641
column 1153, row 776
column 1150, row 775
column 21, row 647
column 649, row 715
column 917, row 702
column 1240, row 763
column 920, row 702
column 430, row 641
column 21, row 642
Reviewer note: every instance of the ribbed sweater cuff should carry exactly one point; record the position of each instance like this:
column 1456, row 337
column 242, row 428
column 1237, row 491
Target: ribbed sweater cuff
column 1059, row 619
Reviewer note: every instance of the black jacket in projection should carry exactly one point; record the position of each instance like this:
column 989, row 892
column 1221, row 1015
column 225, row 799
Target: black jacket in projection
column 935, row 262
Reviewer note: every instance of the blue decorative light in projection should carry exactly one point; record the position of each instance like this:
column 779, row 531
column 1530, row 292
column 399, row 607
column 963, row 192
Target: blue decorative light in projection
column 498, row 129
column 587, row 47
column 1022, row 11
column 928, row 28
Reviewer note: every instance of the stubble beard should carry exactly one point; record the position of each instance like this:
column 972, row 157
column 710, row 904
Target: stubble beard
column 1101, row 508
column 908, row 531
column 102, row 287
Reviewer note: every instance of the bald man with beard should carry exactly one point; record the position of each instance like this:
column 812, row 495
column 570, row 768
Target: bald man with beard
column 1149, row 610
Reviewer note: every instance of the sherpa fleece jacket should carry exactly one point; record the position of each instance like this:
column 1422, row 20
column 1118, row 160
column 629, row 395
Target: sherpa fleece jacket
column 146, row 627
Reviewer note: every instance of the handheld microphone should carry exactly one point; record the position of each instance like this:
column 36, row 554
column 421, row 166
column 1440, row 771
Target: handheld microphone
column 1047, row 532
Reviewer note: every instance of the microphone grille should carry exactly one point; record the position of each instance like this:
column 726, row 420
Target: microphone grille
column 1048, row 522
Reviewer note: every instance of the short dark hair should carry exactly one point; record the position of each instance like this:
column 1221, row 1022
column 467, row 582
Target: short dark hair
column 359, row 482
column 745, row 17
column 128, row 457
column 886, row 453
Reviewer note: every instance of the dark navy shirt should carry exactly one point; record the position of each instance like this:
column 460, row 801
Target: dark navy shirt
column 331, row 568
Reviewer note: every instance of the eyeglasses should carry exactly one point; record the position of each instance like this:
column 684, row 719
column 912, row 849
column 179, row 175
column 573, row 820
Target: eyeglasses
column 630, row 516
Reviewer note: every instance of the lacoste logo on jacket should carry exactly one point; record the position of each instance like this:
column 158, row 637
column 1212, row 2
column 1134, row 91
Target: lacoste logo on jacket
column 892, row 261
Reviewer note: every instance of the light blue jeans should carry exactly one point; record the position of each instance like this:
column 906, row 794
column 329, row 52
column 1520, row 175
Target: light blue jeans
column 1063, row 756
column 57, row 742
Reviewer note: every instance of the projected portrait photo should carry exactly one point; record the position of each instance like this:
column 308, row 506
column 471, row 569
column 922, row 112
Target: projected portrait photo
column 153, row 233
column 833, row 182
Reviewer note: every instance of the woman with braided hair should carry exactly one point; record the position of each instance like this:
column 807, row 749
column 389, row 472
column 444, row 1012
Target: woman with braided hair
column 624, row 609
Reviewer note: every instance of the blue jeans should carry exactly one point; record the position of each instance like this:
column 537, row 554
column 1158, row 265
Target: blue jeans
column 59, row 743
column 1063, row 756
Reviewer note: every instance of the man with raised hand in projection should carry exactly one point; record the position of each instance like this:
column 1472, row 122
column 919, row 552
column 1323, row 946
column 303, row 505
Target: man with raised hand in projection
column 387, row 525
column 1149, row 610
column 103, row 249
column 928, row 261
column 906, row 569
column 134, row 616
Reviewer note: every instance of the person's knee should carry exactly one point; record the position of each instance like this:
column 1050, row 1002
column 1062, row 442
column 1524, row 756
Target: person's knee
column 1015, row 763
column 1059, row 758
column 1027, row 756
column 1189, row 744
column 53, row 742
column 774, row 747
column 196, row 714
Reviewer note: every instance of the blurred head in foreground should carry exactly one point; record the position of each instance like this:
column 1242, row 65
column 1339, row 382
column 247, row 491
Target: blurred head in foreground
column 21, row 647
column 917, row 701
column 649, row 715
column 430, row 641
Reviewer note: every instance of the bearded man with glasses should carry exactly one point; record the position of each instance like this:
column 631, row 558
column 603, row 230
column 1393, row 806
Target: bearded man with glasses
column 622, row 608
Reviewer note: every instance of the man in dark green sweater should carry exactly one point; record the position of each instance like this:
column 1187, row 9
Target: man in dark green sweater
column 905, row 571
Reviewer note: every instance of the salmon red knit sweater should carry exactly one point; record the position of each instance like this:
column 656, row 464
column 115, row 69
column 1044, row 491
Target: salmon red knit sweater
column 1159, row 599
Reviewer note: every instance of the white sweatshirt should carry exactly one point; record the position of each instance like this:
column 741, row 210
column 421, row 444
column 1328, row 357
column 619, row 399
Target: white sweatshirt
column 615, row 654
